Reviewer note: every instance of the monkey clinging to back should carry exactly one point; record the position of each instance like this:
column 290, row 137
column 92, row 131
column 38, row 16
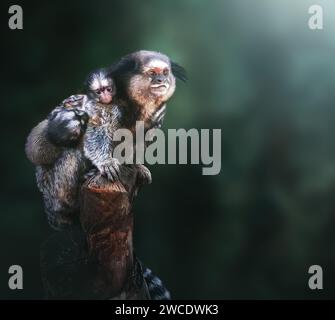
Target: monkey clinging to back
column 145, row 81
column 79, row 133
column 56, row 147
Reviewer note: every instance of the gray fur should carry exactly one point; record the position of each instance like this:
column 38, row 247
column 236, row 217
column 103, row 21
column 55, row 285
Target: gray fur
column 61, row 170
column 59, row 185
column 37, row 143
column 98, row 139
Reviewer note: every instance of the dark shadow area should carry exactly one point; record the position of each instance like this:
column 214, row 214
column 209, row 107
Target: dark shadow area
column 255, row 71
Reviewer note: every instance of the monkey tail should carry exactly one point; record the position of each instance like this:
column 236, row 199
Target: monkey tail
column 156, row 288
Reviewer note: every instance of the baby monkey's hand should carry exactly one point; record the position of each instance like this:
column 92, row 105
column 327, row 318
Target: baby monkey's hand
column 66, row 125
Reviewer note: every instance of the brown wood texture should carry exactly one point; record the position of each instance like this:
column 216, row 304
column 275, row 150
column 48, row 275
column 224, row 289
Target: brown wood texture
column 96, row 260
column 107, row 219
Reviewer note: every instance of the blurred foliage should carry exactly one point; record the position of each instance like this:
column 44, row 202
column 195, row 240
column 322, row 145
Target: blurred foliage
column 257, row 72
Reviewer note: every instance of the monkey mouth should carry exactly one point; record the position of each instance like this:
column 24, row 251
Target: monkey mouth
column 159, row 88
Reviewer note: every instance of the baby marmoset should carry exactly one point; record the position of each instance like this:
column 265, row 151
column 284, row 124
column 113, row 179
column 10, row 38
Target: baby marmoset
column 57, row 147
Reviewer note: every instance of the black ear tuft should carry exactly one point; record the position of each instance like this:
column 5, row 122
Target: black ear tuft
column 124, row 66
column 178, row 71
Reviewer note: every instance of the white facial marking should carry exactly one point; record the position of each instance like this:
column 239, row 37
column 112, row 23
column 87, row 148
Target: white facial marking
column 100, row 81
column 104, row 83
column 95, row 84
column 157, row 64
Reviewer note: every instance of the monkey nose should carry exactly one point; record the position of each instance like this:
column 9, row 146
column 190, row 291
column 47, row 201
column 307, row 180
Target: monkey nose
column 159, row 80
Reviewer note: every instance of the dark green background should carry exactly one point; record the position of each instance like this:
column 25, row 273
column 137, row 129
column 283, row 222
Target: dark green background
column 257, row 72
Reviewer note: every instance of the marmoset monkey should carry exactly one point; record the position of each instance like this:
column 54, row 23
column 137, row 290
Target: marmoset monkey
column 55, row 146
column 145, row 81
column 78, row 133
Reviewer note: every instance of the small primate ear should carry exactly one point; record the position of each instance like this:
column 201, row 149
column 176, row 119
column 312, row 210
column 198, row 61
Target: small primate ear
column 178, row 71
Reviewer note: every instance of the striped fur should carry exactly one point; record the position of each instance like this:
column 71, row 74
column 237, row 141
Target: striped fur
column 156, row 288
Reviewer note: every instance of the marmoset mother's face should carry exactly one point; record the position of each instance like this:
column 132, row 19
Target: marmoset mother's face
column 154, row 80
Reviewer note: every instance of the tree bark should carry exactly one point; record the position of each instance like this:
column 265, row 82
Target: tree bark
column 107, row 219
column 108, row 268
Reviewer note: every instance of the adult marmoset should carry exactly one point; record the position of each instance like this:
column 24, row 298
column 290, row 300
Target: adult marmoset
column 82, row 128
column 145, row 81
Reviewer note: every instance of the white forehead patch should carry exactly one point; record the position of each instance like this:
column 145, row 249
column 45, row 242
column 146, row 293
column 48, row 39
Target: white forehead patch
column 99, row 81
column 105, row 82
column 155, row 63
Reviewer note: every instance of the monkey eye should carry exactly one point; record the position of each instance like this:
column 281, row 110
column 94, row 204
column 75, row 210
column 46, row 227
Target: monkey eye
column 166, row 72
column 109, row 89
column 152, row 73
column 98, row 91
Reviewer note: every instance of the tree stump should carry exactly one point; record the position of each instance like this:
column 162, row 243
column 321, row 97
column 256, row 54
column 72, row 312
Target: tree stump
column 96, row 259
